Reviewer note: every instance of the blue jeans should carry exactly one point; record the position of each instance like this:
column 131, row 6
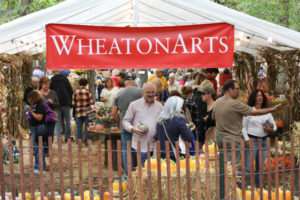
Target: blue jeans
column 256, row 158
column 144, row 157
column 50, row 127
column 125, row 136
column 65, row 111
column 79, row 123
column 33, row 132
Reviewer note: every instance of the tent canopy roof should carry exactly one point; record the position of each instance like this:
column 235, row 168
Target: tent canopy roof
column 28, row 33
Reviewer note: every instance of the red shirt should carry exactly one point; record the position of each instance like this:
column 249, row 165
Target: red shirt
column 115, row 80
column 214, row 81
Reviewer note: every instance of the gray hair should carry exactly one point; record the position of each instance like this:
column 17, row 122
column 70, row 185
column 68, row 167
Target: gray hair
column 172, row 108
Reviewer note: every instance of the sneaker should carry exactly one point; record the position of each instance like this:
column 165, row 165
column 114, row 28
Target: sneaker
column 36, row 171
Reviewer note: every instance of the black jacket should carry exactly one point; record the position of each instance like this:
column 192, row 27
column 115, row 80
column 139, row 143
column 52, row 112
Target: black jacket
column 202, row 107
column 61, row 85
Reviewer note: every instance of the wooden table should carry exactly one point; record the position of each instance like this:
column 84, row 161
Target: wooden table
column 104, row 136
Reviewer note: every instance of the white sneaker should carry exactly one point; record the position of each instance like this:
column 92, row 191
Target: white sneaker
column 36, row 171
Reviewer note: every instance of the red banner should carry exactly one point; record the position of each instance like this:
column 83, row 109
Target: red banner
column 99, row 47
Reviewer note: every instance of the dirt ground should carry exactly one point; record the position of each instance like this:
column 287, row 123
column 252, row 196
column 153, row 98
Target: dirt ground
column 66, row 170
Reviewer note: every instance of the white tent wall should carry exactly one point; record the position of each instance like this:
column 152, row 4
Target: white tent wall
column 28, row 33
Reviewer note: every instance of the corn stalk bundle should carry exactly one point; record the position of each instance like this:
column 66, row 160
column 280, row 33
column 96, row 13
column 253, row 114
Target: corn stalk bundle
column 287, row 62
column 164, row 184
column 17, row 71
column 273, row 59
column 246, row 69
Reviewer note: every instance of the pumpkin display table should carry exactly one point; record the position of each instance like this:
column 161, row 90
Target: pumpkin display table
column 105, row 135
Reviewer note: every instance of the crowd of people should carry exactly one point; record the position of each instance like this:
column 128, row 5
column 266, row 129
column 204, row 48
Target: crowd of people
column 171, row 106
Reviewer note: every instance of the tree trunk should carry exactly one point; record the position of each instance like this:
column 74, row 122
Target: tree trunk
column 91, row 80
column 287, row 14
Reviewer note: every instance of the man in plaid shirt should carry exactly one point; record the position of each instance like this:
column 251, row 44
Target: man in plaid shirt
column 82, row 100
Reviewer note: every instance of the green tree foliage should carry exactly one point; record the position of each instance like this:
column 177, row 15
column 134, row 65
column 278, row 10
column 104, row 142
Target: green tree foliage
column 12, row 9
column 283, row 12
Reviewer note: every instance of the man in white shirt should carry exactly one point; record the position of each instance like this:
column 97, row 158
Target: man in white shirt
column 144, row 110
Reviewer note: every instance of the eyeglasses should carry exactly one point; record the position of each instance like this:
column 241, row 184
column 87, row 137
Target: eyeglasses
column 236, row 88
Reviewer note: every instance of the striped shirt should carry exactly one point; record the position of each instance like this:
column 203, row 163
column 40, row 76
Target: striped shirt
column 82, row 100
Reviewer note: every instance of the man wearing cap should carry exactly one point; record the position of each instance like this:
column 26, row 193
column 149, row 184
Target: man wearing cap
column 35, row 85
column 159, row 74
column 121, row 103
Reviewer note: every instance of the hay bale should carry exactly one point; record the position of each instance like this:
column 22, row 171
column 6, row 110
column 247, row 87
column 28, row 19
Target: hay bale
column 193, row 190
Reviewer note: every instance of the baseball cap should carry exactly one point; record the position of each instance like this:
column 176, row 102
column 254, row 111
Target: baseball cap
column 207, row 89
column 129, row 76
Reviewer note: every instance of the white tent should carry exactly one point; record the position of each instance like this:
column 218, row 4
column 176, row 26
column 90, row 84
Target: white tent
column 28, row 33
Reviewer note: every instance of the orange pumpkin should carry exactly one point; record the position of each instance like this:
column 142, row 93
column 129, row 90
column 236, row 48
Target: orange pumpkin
column 183, row 164
column 287, row 194
column 272, row 164
column 202, row 156
column 279, row 123
column 248, row 195
column 164, row 167
column 153, row 163
column 106, row 195
column 265, row 194
column 116, row 186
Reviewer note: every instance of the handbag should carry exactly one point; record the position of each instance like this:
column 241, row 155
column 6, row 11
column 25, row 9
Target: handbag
column 173, row 148
column 181, row 144
column 210, row 133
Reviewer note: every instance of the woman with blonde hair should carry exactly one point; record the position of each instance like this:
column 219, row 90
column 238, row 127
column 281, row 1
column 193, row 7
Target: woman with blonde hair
column 161, row 92
column 108, row 92
column 201, row 106
column 209, row 97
